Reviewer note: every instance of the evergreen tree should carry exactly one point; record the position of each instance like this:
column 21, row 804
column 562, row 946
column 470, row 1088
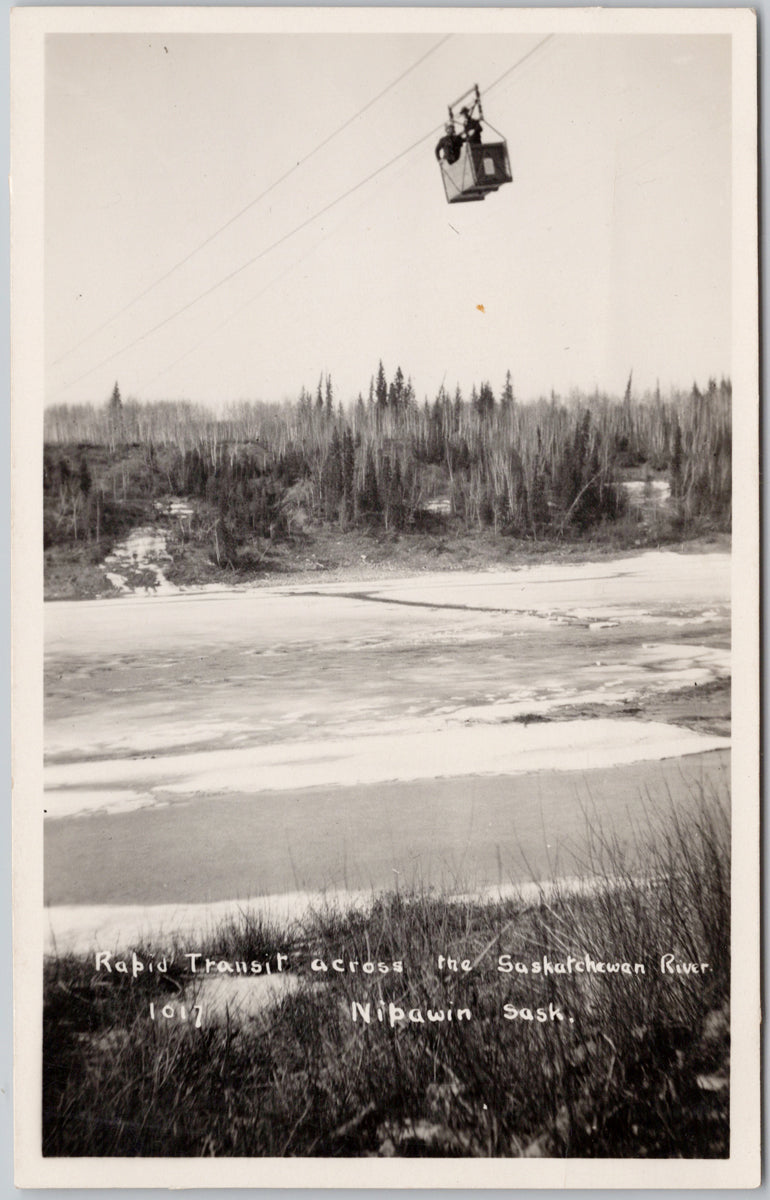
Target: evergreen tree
column 369, row 497
column 396, row 391
column 115, row 416
column 627, row 393
column 506, row 396
column 675, row 470
column 484, row 402
column 348, row 475
column 84, row 477
column 381, row 387
column 386, row 490
column 333, row 477
column 397, row 497
column 538, row 498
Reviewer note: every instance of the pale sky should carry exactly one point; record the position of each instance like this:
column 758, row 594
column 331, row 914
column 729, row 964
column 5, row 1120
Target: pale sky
column 610, row 252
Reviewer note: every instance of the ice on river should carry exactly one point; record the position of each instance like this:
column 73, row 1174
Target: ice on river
column 509, row 749
column 285, row 615
column 289, row 687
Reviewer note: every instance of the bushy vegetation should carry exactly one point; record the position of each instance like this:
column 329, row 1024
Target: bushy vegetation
column 638, row 1067
column 541, row 470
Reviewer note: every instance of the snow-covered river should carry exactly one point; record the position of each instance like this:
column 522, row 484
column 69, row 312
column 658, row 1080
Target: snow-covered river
column 203, row 747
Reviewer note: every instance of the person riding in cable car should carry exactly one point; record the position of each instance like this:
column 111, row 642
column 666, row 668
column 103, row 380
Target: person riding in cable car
column 471, row 126
column 470, row 167
column 450, row 145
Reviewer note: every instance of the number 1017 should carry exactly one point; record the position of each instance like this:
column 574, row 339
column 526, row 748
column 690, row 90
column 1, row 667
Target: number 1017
column 174, row 1012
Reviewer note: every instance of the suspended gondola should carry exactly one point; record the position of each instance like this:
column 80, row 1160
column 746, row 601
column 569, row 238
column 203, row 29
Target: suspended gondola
column 470, row 166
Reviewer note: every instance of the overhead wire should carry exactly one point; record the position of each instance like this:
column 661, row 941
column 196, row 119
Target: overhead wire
column 248, row 303
column 252, row 203
column 297, row 229
column 519, row 62
column 255, row 258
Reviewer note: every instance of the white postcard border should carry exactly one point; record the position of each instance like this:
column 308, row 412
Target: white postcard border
column 29, row 27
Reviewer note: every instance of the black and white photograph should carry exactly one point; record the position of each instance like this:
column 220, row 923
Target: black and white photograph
column 385, row 392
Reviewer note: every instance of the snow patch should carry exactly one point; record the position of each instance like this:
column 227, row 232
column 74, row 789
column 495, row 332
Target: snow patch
column 230, row 998
column 135, row 563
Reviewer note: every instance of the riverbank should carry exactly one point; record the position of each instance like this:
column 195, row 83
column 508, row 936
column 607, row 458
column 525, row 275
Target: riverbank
column 165, row 563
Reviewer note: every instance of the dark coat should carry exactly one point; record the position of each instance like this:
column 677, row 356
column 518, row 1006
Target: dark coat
column 473, row 130
column 449, row 147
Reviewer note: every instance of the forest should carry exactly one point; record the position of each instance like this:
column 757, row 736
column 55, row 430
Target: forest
column 259, row 475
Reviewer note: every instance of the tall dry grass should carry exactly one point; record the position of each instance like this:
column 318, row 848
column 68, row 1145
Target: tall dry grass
column 638, row 1066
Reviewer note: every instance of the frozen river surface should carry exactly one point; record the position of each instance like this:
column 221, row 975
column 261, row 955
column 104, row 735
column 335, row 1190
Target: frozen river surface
column 271, row 719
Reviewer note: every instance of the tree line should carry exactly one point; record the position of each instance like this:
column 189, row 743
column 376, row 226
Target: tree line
column 547, row 468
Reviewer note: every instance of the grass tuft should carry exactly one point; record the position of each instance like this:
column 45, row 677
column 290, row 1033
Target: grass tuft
column 638, row 1067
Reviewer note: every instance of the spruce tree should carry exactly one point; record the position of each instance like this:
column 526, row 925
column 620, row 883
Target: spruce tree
column 369, row 498
column 381, row 387
column 348, row 475
column 675, row 470
column 506, row 397
column 115, row 416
